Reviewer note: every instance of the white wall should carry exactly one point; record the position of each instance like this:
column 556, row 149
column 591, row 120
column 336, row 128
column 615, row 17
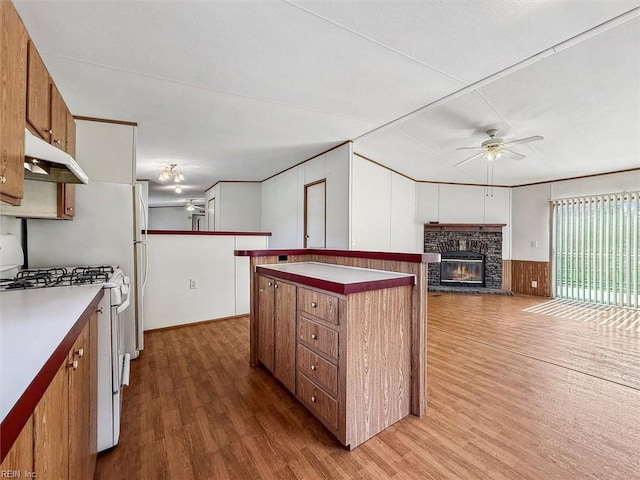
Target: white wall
column 383, row 209
column 337, row 167
column 445, row 203
column 106, row 151
column 169, row 218
column 283, row 200
column 531, row 210
column 222, row 279
column 238, row 206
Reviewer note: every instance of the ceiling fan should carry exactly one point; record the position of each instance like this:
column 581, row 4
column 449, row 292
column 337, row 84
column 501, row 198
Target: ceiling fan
column 494, row 148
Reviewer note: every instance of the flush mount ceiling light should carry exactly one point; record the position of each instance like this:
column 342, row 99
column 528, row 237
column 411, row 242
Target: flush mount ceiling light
column 172, row 172
column 178, row 189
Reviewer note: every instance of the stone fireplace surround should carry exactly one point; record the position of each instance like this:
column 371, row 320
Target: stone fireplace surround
column 479, row 238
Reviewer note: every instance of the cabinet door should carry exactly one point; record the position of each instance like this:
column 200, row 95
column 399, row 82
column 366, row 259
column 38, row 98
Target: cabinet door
column 13, row 55
column 20, row 457
column 80, row 407
column 266, row 330
column 38, row 94
column 51, row 429
column 66, row 200
column 285, row 328
column 58, row 119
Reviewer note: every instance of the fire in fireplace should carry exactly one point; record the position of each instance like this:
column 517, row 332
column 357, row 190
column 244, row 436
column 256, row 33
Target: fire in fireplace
column 462, row 269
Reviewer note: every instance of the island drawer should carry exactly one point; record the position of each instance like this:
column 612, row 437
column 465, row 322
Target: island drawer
column 318, row 304
column 320, row 338
column 321, row 371
column 318, row 402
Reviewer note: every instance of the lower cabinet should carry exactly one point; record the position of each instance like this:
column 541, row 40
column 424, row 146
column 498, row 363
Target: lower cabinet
column 20, row 457
column 59, row 440
column 347, row 358
column 277, row 329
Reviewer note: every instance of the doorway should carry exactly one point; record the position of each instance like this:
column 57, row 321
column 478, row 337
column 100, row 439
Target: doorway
column 315, row 214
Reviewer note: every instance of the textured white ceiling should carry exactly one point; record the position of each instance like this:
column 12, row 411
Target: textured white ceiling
column 240, row 90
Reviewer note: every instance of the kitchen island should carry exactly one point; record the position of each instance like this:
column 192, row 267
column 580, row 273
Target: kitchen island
column 41, row 331
column 324, row 297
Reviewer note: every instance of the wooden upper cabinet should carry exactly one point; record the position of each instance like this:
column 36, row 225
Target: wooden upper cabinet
column 66, row 201
column 38, row 94
column 13, row 54
column 59, row 114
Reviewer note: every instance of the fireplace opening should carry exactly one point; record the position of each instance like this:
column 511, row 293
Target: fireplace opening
column 462, row 269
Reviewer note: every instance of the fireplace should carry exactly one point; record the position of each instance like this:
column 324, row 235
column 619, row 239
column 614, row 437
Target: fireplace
column 462, row 269
column 471, row 256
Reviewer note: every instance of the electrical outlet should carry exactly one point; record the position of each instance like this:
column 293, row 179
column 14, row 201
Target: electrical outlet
column 193, row 284
column 534, row 284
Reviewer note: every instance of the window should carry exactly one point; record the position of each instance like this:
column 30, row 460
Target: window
column 596, row 248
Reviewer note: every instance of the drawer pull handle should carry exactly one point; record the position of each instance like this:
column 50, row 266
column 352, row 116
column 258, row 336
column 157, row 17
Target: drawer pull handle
column 313, row 398
column 270, row 283
column 73, row 365
column 314, row 304
column 314, row 336
column 314, row 367
column 79, row 352
column 276, row 285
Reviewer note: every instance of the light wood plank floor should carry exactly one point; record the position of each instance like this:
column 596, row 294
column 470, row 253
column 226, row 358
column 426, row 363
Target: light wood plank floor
column 511, row 395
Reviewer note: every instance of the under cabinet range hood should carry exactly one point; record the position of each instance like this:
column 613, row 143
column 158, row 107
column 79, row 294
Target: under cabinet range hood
column 46, row 163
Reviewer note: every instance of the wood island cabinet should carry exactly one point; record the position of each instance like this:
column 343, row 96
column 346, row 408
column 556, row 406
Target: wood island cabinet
column 276, row 329
column 347, row 356
column 13, row 55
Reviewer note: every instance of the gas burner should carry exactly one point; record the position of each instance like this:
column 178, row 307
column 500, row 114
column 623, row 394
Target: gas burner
column 58, row 277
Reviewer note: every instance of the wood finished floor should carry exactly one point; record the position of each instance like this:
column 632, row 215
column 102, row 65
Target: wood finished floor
column 511, row 395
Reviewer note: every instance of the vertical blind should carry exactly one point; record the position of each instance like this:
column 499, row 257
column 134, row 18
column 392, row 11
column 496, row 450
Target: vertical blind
column 596, row 241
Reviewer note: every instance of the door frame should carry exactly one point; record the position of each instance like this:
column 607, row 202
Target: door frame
column 305, row 221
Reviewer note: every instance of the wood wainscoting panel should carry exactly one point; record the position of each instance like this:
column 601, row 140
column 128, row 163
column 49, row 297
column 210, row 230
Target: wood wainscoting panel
column 523, row 272
column 506, row 275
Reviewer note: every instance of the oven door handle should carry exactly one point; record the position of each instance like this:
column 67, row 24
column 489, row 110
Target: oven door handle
column 125, row 302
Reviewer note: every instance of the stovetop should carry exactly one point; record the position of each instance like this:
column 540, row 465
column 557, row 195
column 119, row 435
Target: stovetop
column 58, row 277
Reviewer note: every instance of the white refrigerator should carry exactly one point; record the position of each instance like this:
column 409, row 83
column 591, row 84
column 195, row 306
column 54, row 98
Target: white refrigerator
column 107, row 230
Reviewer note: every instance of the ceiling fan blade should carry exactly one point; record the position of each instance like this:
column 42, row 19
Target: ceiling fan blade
column 470, row 148
column 535, row 138
column 516, row 156
column 469, row 159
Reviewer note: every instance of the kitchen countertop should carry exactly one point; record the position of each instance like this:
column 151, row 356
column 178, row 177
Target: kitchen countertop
column 33, row 324
column 336, row 278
